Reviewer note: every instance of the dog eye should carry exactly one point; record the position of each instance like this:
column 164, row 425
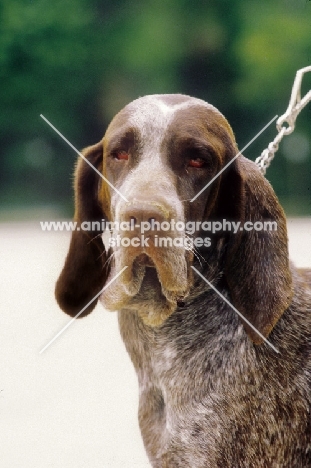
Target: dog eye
column 121, row 155
column 197, row 162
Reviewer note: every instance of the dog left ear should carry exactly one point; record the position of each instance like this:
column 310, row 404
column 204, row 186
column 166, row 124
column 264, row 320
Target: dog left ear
column 257, row 265
column 85, row 271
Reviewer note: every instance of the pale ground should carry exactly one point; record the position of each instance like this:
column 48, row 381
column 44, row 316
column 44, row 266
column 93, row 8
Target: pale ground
column 75, row 405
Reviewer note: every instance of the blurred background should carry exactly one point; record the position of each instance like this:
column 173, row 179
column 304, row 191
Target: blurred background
column 79, row 62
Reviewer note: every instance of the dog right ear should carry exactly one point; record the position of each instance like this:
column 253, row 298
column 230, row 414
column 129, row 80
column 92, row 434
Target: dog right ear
column 85, row 270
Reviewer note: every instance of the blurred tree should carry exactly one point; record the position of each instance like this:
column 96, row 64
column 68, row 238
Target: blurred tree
column 79, row 62
column 274, row 42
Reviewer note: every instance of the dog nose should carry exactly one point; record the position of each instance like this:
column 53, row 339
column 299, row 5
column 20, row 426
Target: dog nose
column 139, row 212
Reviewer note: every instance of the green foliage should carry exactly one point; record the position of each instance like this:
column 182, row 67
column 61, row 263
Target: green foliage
column 78, row 62
column 273, row 45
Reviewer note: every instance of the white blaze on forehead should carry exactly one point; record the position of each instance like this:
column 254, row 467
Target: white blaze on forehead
column 151, row 115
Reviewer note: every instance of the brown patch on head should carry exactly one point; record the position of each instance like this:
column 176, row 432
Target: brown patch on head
column 199, row 125
column 206, row 122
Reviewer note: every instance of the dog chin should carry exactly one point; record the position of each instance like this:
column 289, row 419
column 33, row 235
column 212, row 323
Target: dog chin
column 153, row 303
column 139, row 288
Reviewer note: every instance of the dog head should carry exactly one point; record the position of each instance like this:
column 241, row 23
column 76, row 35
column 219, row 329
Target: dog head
column 168, row 164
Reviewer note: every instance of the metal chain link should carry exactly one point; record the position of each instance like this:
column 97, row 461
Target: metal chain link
column 296, row 104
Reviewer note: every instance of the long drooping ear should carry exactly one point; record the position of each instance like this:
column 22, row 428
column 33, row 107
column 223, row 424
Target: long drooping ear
column 257, row 265
column 85, row 272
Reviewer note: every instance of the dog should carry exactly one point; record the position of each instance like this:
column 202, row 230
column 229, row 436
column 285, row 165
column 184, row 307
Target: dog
column 217, row 322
